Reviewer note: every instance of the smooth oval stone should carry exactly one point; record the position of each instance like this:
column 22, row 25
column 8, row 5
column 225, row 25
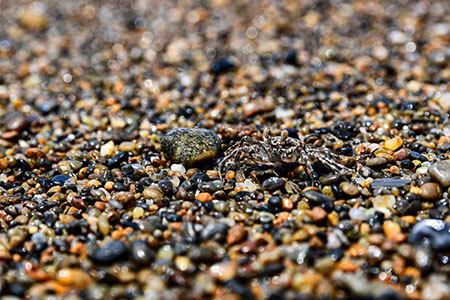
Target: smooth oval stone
column 440, row 172
column 317, row 197
column 376, row 162
column 60, row 179
column 190, row 146
column 112, row 252
column 431, row 191
column 273, row 183
column 16, row 121
column 349, row 189
column 416, row 155
column 389, row 182
column 141, row 253
column 215, row 231
column 437, row 232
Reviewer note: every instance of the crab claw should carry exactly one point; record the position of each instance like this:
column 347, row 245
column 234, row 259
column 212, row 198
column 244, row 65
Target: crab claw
column 266, row 134
column 284, row 135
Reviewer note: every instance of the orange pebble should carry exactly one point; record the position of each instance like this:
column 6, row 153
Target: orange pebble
column 357, row 251
column 409, row 219
column 175, row 226
column 116, row 234
column 238, row 188
column 347, row 265
column 100, row 205
column 365, row 228
column 109, row 185
column 204, row 197
column 212, row 173
column 391, row 229
column 93, row 182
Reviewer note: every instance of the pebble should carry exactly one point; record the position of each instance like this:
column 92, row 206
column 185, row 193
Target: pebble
column 358, row 214
column 273, row 183
column 384, row 203
column 141, row 253
column 393, row 143
column 349, row 189
column 107, row 149
column 236, row 234
column 15, row 121
column 110, row 253
column 431, row 191
column 437, row 232
column 440, row 172
column 215, row 231
column 190, row 146
column 73, row 277
column 376, row 162
column 317, row 197
column 318, row 214
column 60, row 179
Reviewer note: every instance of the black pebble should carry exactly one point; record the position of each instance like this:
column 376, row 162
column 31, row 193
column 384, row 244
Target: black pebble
column 111, row 253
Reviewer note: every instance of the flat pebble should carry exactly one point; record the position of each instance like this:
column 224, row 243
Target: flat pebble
column 389, row 182
column 376, row 162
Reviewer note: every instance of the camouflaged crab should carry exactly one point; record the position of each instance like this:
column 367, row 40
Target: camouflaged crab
column 285, row 149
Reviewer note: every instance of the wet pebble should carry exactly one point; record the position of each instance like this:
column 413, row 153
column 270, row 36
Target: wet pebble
column 437, row 232
column 440, row 172
column 376, row 162
column 431, row 191
column 112, row 252
column 317, row 197
column 141, row 253
column 273, row 183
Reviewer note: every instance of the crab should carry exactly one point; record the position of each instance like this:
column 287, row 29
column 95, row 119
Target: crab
column 285, row 149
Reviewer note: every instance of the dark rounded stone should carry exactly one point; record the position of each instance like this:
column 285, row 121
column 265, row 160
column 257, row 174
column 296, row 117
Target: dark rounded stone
column 60, row 179
column 111, row 253
column 436, row 232
column 141, row 253
column 215, row 231
column 417, row 156
column 275, row 201
column 222, row 65
column 273, row 183
column 16, row 121
column 117, row 159
column 190, row 146
column 317, row 197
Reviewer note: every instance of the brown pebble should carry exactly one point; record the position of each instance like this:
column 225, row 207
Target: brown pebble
column 236, row 234
column 400, row 154
column 431, row 191
column 16, row 121
column 349, row 189
column 318, row 214
column 100, row 205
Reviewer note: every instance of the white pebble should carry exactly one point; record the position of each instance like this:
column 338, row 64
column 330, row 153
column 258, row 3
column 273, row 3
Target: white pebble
column 179, row 168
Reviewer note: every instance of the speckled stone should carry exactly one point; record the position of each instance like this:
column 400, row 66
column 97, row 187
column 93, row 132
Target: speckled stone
column 190, row 146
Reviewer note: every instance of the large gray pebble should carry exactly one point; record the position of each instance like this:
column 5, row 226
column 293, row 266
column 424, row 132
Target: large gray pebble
column 440, row 172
